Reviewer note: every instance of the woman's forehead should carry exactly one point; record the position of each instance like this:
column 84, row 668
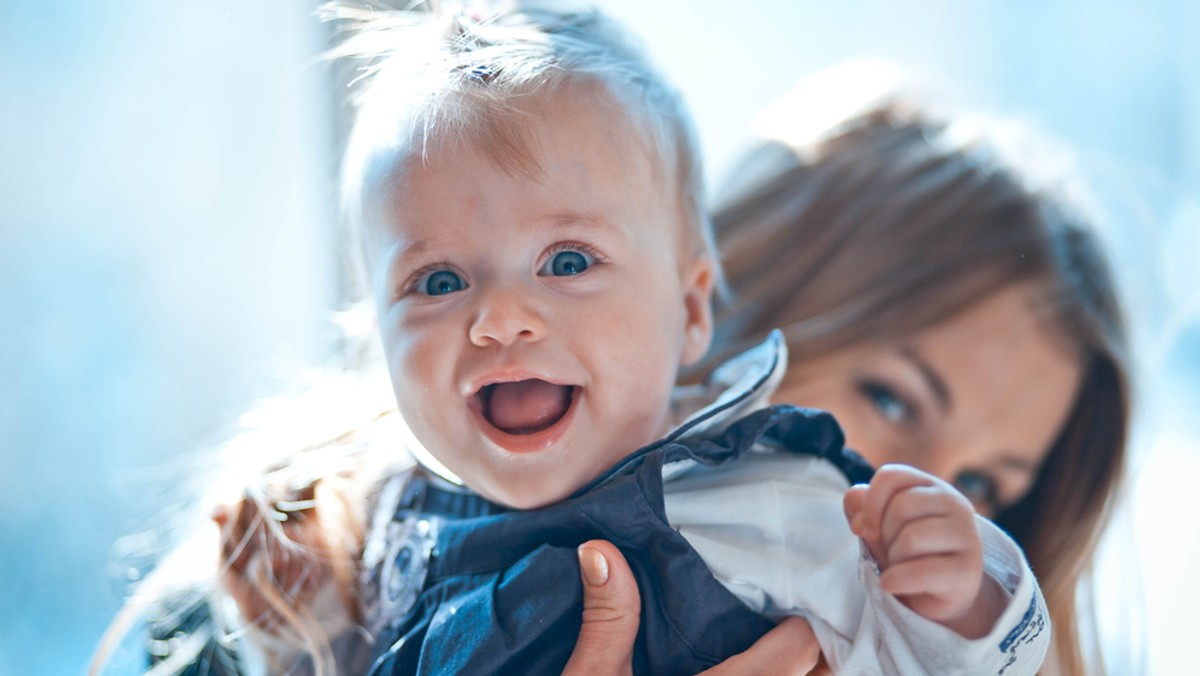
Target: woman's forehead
column 1005, row 369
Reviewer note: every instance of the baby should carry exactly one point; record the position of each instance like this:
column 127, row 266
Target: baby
column 528, row 195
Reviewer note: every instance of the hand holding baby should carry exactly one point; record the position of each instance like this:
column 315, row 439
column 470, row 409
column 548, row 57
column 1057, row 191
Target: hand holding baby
column 282, row 567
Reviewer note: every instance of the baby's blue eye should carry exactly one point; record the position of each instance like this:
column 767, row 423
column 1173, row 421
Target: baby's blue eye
column 441, row 283
column 567, row 263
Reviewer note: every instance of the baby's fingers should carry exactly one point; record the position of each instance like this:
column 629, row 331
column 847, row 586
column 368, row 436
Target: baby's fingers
column 933, row 536
column 888, row 481
column 938, row 587
column 854, row 504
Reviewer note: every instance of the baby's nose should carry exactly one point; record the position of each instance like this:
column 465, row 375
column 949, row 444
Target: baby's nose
column 504, row 317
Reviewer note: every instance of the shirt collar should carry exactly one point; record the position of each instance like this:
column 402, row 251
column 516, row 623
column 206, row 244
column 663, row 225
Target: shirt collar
column 737, row 387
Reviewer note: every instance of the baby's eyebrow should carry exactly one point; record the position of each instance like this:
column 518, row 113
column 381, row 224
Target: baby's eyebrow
column 581, row 220
column 402, row 250
column 407, row 248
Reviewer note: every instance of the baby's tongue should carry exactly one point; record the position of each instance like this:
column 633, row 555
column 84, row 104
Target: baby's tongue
column 527, row 406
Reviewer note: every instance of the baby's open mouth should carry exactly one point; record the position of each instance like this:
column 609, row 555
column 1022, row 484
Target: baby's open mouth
column 525, row 406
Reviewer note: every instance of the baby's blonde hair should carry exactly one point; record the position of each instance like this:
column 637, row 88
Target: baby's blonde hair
column 464, row 75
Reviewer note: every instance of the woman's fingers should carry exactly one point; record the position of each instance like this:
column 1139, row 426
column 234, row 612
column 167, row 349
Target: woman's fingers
column 612, row 613
column 789, row 648
column 612, row 610
column 280, row 545
column 237, row 544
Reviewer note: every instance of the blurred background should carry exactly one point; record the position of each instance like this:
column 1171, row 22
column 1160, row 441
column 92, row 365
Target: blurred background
column 167, row 255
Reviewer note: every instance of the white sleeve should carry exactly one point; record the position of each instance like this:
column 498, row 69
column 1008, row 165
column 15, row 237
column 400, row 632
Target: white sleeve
column 1017, row 643
column 772, row 530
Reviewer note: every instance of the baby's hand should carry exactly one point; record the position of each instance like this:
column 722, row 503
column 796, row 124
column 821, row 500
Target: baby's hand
column 922, row 533
column 277, row 555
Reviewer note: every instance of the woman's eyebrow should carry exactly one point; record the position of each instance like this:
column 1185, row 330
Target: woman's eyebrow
column 930, row 375
column 1017, row 464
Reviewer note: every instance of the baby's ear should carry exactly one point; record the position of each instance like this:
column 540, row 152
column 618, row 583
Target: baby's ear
column 698, row 280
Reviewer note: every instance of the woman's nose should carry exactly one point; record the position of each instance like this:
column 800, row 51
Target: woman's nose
column 944, row 461
column 505, row 316
column 960, row 463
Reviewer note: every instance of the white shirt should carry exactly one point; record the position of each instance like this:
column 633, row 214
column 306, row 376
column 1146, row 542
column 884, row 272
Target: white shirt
column 772, row 530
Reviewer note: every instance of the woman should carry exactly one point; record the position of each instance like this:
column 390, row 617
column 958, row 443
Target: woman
column 949, row 306
column 953, row 311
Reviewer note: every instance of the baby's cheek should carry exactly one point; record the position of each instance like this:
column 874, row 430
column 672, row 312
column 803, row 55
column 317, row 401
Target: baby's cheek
column 407, row 348
column 412, row 364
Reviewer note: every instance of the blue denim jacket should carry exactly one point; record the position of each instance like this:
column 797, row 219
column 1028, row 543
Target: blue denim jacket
column 468, row 586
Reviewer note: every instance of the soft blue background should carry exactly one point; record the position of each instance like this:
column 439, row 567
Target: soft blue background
column 166, row 254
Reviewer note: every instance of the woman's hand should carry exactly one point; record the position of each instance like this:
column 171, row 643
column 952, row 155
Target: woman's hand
column 612, row 612
column 280, row 560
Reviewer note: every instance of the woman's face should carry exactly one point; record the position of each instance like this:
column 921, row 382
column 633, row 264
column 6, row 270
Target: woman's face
column 976, row 400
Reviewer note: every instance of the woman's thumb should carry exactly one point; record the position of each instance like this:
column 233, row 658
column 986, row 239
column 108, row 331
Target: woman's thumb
column 612, row 610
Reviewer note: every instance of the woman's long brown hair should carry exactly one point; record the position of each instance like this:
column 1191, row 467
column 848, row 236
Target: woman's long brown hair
column 892, row 221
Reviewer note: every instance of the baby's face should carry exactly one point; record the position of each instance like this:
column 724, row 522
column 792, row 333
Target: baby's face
column 534, row 321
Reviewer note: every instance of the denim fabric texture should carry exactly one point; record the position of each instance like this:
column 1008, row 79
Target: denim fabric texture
column 500, row 589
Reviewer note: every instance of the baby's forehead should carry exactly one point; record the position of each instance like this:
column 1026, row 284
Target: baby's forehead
column 534, row 145
column 526, row 137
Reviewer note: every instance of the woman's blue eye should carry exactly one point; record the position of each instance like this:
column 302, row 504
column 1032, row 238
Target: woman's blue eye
column 979, row 489
column 567, row 263
column 893, row 408
column 441, row 283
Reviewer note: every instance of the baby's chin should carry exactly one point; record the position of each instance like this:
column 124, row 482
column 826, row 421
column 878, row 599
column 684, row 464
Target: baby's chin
column 543, row 487
column 527, row 498
column 534, row 490
column 572, row 455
